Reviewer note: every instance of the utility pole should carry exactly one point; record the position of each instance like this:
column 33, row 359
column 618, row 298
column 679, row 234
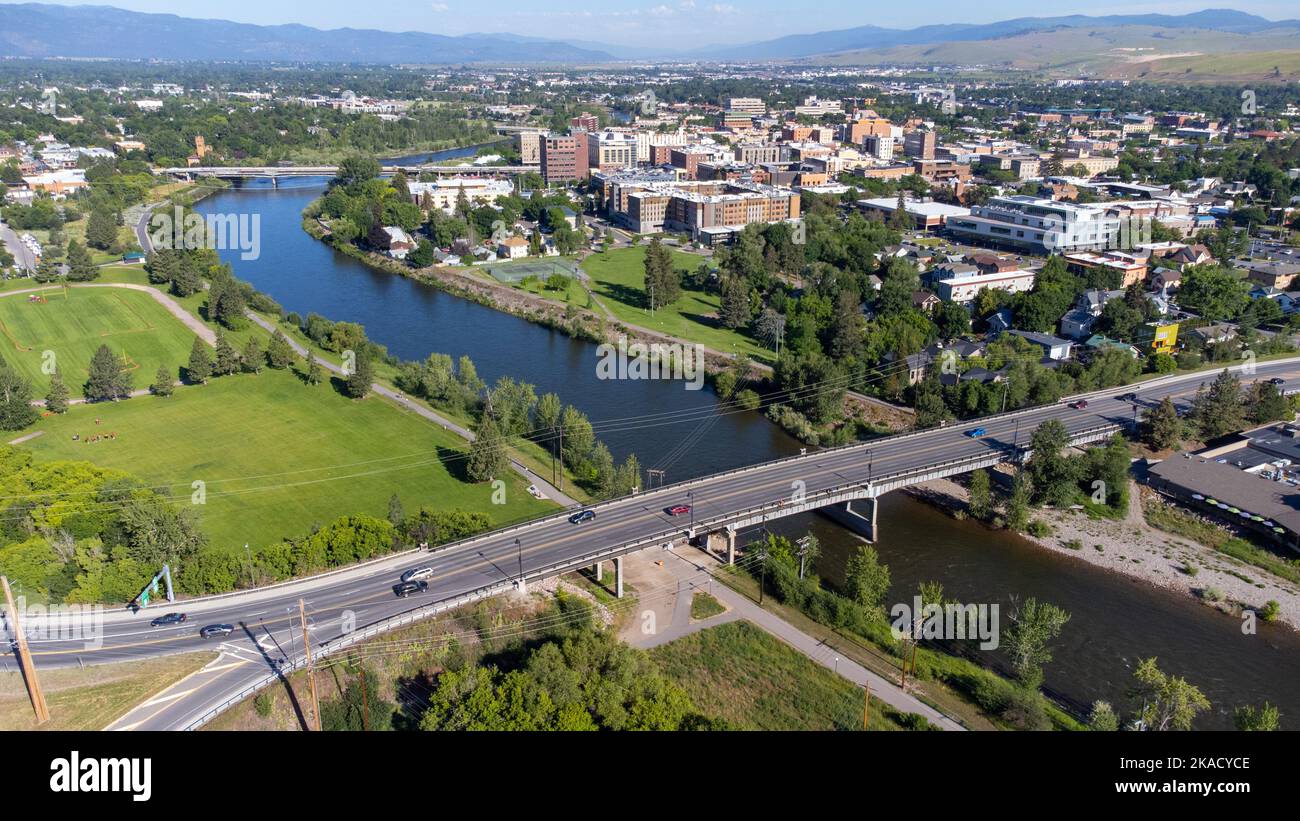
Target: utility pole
column 866, row 706
column 804, row 543
column 365, row 704
column 311, row 671
column 762, row 559
column 25, row 658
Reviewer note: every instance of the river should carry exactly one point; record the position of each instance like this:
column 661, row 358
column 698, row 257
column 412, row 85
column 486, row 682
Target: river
column 1114, row 621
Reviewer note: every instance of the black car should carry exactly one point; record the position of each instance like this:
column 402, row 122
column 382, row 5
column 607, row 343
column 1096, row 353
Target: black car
column 217, row 630
column 168, row 619
column 404, row 589
column 1127, row 397
column 582, row 516
column 1277, row 380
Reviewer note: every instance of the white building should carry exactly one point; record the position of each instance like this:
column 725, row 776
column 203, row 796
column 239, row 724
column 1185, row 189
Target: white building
column 444, row 192
column 964, row 289
column 1039, row 225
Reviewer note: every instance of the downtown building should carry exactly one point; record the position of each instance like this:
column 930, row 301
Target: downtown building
column 710, row 211
column 564, row 159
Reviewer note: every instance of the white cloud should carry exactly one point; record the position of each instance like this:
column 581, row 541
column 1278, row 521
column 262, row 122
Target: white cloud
column 440, row 7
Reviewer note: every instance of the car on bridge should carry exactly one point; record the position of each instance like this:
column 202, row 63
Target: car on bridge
column 216, row 630
column 417, row 573
column 976, row 433
column 168, row 619
column 1127, row 397
column 677, row 510
column 404, row 589
column 582, row 516
column 1079, row 404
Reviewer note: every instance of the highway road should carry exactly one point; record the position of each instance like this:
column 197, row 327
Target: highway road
column 357, row 597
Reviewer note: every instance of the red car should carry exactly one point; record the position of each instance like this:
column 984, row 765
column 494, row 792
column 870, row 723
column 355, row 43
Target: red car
column 678, row 510
column 1079, row 404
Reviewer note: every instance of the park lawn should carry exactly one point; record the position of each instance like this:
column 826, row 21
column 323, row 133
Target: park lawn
column 618, row 279
column 73, row 322
column 76, row 230
column 738, row 672
column 278, row 456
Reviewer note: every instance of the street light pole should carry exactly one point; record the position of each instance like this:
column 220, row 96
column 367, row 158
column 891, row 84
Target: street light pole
column 519, row 546
column 690, row 500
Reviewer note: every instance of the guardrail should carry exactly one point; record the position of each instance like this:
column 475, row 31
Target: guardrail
column 777, row 508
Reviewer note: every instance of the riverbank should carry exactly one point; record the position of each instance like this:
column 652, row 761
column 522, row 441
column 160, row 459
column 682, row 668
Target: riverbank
column 1134, row 548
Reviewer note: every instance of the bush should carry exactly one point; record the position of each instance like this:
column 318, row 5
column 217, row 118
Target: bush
column 1040, row 529
column 1271, row 610
column 262, row 704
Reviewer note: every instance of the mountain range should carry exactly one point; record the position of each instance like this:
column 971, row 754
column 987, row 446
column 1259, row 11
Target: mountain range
column 42, row 30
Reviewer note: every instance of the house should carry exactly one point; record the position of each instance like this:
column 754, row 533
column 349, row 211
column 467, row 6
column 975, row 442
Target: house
column 1166, row 279
column 925, row 301
column 1273, row 274
column 1192, row 255
column 1078, row 323
column 999, row 321
column 392, row 240
column 1098, row 343
column 1217, row 333
column 1053, row 347
column 512, row 248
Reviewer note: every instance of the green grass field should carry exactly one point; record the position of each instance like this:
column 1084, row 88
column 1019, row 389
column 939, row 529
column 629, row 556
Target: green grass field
column 738, row 672
column 278, row 456
column 618, row 280
column 73, row 323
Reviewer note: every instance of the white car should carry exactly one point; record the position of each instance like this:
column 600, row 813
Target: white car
column 417, row 573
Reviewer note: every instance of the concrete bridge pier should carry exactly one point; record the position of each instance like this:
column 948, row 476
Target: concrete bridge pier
column 618, row 577
column 861, row 522
column 598, row 570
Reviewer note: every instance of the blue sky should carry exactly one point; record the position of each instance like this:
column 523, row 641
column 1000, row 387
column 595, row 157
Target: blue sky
column 669, row 23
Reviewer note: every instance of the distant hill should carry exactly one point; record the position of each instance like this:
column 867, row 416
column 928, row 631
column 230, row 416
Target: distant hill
column 870, row 39
column 41, row 30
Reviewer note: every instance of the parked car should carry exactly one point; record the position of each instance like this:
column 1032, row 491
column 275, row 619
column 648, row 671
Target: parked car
column 417, row 573
column 404, row 589
column 976, row 433
column 678, row 510
column 168, row 619
column 215, row 630
column 582, row 516
column 1079, row 404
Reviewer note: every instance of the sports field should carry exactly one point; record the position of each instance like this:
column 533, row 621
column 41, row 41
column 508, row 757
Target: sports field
column 71, row 324
column 516, row 270
column 277, row 456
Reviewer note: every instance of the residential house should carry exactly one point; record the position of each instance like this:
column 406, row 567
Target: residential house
column 1053, row 346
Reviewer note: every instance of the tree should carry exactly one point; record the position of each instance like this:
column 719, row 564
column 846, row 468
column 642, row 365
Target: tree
column 1167, row 702
column 1264, row 718
column 80, row 266
column 1018, row 504
column 314, row 372
column 1053, row 473
column 1218, row 410
column 927, row 401
column 546, row 419
column 358, row 382
column 101, row 229
column 487, row 454
column 736, row 309
column 396, row 514
column 162, row 382
column 981, row 495
column 106, row 379
column 663, row 283
column 16, row 411
column 227, row 358
column 1102, row 718
column 279, row 354
column 1266, row 404
column 56, row 399
column 422, row 256
column 199, row 368
column 251, row 359
column 866, row 580
column 1033, row 626
column 1162, row 425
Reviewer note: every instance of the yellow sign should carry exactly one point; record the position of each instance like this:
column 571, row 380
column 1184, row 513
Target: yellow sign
column 1165, row 339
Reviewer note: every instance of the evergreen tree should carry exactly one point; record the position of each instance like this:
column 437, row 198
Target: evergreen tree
column 736, row 309
column 487, row 455
column 56, row 400
column 396, row 514
column 279, row 354
column 227, row 358
column 314, row 373
column 358, row 382
column 162, row 382
column 199, row 368
column 106, row 379
column 101, row 229
column 80, row 266
column 251, row 358
column 1218, row 410
column 981, row 496
column 16, row 411
column 1163, row 427
column 865, row 578
column 47, row 270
